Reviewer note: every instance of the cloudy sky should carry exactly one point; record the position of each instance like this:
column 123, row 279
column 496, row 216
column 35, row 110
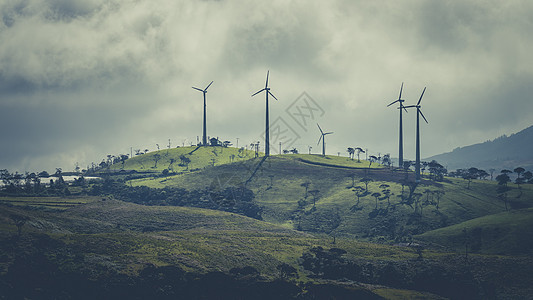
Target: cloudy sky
column 80, row 79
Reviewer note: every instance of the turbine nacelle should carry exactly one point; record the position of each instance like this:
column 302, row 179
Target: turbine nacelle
column 266, row 89
column 418, row 106
column 204, row 90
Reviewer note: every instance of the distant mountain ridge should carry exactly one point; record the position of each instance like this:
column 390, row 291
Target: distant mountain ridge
column 504, row 152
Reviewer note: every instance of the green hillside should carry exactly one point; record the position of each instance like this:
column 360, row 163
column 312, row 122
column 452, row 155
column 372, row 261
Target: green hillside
column 113, row 236
column 279, row 187
column 328, row 224
column 507, row 233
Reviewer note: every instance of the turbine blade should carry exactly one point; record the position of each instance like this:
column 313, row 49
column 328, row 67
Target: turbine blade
column 258, row 92
column 197, row 89
column 322, row 132
column 272, row 95
column 319, row 139
column 266, row 84
column 328, row 133
column 404, row 108
column 401, row 89
column 409, row 106
column 393, row 103
column 208, row 86
column 421, row 96
column 423, row 115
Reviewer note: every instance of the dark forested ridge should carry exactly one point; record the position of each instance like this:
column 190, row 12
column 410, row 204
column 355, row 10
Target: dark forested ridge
column 505, row 152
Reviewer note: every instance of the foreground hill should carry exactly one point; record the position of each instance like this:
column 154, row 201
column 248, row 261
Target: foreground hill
column 505, row 152
column 109, row 249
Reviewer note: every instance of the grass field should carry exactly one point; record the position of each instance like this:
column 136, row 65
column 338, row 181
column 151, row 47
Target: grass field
column 507, row 233
column 278, row 188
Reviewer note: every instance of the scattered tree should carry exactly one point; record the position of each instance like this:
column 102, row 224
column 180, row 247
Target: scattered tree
column 306, row 186
column 438, row 195
column 376, row 195
column 359, row 151
column 351, row 152
column 314, row 193
column 184, row 161
column 366, row 181
column 19, row 221
column 157, row 157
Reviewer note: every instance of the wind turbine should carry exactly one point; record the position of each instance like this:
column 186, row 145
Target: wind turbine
column 267, row 127
column 418, row 114
column 204, row 136
column 323, row 138
column 400, row 147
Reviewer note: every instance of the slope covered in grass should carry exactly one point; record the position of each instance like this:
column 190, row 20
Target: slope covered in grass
column 508, row 233
column 113, row 247
column 331, row 205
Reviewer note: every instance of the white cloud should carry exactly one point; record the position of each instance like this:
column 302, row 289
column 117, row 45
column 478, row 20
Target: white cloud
column 129, row 66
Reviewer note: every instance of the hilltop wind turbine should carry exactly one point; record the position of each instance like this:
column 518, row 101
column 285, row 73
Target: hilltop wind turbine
column 418, row 114
column 400, row 147
column 204, row 136
column 267, row 131
column 323, row 138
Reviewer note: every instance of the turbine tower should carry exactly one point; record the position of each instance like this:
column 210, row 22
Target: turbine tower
column 400, row 147
column 267, row 127
column 323, row 138
column 418, row 114
column 204, row 136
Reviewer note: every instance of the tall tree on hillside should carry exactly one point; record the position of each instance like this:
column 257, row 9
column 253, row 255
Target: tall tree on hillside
column 314, row 193
column 436, row 171
column 376, row 195
column 123, row 158
column 482, row 174
column 470, row 174
column 503, row 179
column 386, row 160
column 351, row 152
column 372, row 159
column 519, row 179
column 157, row 157
column 366, row 181
column 503, row 197
column 386, row 193
column 171, row 164
column 352, row 176
column 359, row 150
column 19, row 221
column 185, row 161
column 359, row 192
column 438, row 195
column 305, row 184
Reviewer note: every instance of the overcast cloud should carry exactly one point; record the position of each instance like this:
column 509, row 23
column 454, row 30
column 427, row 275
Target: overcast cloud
column 82, row 79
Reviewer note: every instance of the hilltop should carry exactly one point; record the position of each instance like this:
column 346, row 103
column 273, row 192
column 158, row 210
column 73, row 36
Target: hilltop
column 505, row 152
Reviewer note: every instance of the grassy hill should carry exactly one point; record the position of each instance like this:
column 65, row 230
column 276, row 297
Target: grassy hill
column 308, row 203
column 113, row 237
column 279, row 187
column 507, row 233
